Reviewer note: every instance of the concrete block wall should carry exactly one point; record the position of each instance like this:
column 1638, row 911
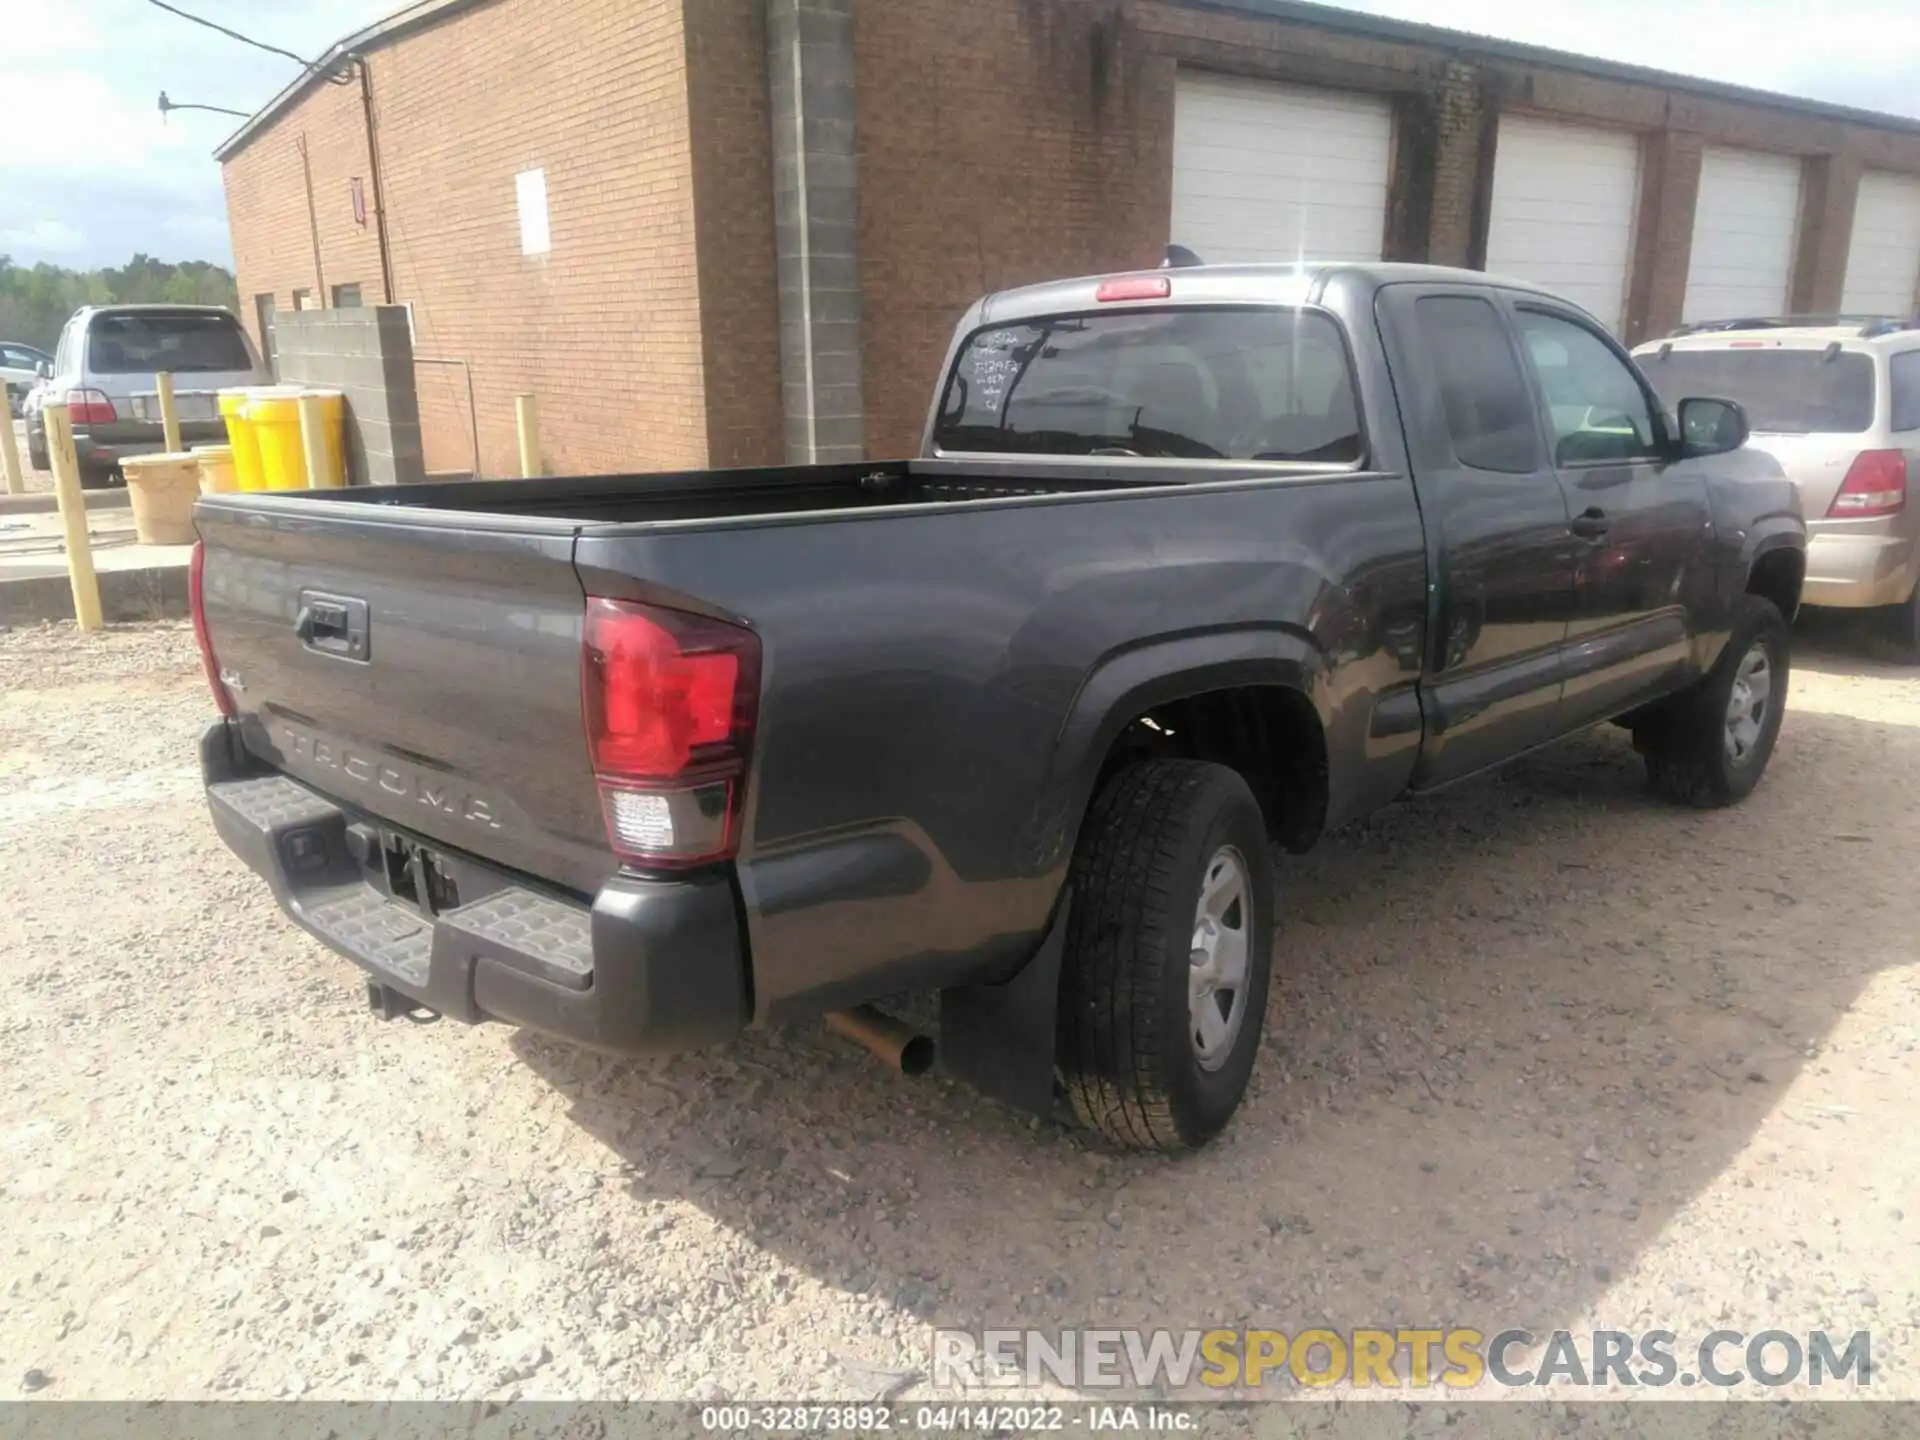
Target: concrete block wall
column 816, row 225
column 367, row 354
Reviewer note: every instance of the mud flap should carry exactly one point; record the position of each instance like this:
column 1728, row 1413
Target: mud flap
column 1000, row 1039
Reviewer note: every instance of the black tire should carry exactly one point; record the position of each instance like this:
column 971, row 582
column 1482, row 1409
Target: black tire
column 1905, row 628
column 1688, row 758
column 1131, row 1065
column 37, row 454
column 95, row 478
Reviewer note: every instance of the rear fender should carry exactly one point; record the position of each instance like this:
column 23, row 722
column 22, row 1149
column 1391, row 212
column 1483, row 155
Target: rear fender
column 1131, row 682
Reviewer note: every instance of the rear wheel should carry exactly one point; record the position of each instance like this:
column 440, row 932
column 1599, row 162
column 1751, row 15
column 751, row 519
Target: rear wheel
column 95, row 477
column 1906, row 627
column 1169, row 950
column 1710, row 746
column 37, row 453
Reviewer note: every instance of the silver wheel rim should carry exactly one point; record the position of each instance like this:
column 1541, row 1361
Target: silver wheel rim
column 1749, row 703
column 1217, row 962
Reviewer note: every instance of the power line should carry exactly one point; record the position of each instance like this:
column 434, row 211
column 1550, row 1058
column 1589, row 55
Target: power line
column 304, row 63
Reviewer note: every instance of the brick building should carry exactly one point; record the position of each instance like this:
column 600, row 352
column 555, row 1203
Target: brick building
column 722, row 232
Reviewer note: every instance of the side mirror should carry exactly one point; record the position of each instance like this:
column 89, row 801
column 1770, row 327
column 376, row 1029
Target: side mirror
column 1711, row 427
column 43, row 370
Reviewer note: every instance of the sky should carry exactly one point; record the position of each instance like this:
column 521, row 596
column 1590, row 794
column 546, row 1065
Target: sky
column 90, row 173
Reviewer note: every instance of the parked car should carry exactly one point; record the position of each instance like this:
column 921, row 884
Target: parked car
column 1193, row 560
column 104, row 369
column 20, row 370
column 1837, row 402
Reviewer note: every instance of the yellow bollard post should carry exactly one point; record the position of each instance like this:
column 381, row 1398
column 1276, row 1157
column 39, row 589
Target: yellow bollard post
column 313, row 437
column 526, row 414
column 73, row 516
column 169, row 412
column 10, row 449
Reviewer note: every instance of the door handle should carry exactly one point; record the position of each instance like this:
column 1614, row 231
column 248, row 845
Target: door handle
column 317, row 624
column 1591, row 524
column 332, row 625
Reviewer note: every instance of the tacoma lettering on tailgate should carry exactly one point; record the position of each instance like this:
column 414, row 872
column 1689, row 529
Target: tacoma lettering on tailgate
column 392, row 777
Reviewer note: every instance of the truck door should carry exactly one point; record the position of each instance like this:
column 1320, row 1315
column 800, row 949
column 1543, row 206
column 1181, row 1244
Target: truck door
column 1640, row 524
column 1499, row 555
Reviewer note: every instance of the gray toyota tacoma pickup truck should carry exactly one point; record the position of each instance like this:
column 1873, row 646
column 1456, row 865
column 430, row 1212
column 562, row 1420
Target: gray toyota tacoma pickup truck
column 1195, row 564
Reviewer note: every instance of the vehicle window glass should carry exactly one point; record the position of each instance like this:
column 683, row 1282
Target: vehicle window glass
column 1784, row 392
column 1597, row 408
column 18, row 359
column 63, row 351
column 1254, row 384
column 1903, row 376
column 1490, row 412
column 183, row 342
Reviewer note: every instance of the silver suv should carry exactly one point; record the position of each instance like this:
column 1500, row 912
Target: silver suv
column 1837, row 403
column 104, row 370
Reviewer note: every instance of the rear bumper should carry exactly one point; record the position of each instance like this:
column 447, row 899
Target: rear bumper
column 100, row 446
column 649, row 967
column 1852, row 570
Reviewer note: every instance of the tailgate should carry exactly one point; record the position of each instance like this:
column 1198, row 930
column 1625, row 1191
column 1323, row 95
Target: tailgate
column 421, row 666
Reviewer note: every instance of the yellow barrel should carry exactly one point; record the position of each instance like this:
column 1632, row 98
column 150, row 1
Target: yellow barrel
column 248, row 468
column 217, row 475
column 160, row 492
column 275, row 420
column 246, row 445
column 333, row 406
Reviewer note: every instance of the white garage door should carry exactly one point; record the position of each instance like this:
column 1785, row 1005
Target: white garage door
column 1743, row 232
column 1265, row 172
column 1563, row 204
column 1883, row 263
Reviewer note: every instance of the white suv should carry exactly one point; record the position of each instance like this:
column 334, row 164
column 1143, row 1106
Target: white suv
column 1837, row 403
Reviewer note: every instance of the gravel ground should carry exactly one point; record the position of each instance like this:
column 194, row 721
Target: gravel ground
column 1542, row 1052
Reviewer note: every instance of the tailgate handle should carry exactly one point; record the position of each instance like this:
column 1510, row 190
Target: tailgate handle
column 332, row 625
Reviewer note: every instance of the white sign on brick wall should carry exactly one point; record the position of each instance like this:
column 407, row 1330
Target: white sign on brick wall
column 530, row 190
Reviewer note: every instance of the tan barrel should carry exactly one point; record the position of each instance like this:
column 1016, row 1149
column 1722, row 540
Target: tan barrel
column 162, row 489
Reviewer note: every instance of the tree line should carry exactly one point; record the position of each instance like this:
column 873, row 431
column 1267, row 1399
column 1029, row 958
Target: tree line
column 36, row 301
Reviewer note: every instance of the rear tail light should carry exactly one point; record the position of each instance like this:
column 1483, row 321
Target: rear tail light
column 1875, row 485
column 89, row 407
column 669, row 700
column 197, row 606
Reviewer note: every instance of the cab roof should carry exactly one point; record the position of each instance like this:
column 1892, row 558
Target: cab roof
column 1302, row 284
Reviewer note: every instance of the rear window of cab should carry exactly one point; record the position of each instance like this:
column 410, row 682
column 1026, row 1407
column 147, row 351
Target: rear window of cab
column 1190, row 383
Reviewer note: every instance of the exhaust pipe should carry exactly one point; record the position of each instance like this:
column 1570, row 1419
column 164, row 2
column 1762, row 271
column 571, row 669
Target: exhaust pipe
column 899, row 1046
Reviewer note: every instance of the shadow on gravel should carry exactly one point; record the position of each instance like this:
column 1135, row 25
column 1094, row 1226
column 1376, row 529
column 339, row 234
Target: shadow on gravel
column 1849, row 642
column 1516, row 1028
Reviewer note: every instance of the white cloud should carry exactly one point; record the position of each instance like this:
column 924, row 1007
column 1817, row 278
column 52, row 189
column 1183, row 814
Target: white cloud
column 102, row 174
column 1842, row 54
column 99, row 126
column 52, row 238
column 36, row 30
